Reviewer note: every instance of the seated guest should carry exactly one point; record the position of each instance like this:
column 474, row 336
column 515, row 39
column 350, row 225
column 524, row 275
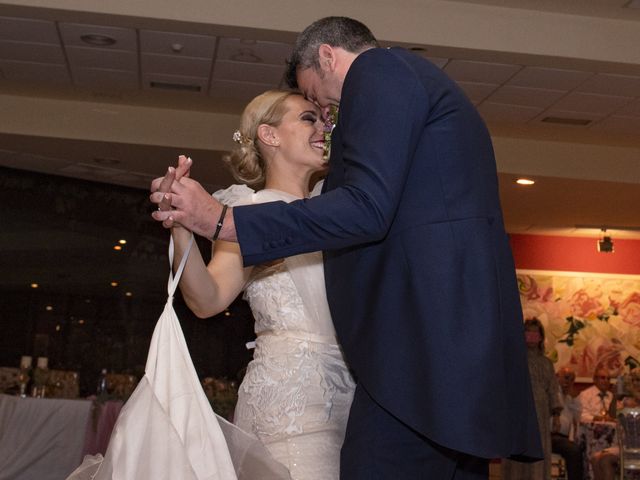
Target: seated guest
column 595, row 401
column 605, row 463
column 564, row 426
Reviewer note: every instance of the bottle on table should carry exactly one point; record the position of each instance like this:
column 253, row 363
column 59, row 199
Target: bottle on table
column 102, row 383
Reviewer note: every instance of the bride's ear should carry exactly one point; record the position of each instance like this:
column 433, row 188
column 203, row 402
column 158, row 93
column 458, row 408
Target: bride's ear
column 268, row 135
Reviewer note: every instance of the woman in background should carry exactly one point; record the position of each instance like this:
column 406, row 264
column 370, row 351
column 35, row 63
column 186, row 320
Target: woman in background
column 546, row 394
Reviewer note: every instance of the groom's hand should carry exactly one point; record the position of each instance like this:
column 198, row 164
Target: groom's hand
column 184, row 201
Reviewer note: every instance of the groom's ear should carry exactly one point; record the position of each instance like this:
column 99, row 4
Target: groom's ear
column 326, row 57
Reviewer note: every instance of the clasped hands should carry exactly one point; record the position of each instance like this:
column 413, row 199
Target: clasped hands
column 182, row 201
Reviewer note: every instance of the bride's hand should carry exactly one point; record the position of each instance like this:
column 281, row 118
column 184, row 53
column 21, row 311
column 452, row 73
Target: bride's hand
column 163, row 184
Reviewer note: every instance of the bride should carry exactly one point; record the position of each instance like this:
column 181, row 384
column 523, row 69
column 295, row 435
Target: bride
column 296, row 394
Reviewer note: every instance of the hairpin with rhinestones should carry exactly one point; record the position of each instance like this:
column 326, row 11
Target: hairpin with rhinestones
column 240, row 138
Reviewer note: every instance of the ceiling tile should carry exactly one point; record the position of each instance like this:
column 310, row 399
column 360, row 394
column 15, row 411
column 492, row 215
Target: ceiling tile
column 524, row 96
column 170, row 43
column 101, row 77
column 83, row 57
column 498, row 113
column 239, row 71
column 28, row 30
column 125, row 38
column 620, row 85
column 632, row 109
column 237, row 90
column 253, row 51
column 34, row 72
column 31, row 52
column 481, row 72
column 550, row 78
column 477, row 91
column 619, row 124
column 440, row 62
column 172, row 64
column 591, row 103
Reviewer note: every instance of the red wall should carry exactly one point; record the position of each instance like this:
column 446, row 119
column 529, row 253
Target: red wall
column 574, row 254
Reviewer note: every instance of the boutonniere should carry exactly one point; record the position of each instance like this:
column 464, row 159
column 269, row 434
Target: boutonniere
column 329, row 124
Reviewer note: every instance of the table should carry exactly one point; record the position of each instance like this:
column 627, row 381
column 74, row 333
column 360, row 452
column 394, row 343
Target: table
column 594, row 437
column 41, row 438
column 46, row 438
column 99, row 426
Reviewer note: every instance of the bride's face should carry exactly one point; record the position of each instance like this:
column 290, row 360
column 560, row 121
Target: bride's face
column 301, row 135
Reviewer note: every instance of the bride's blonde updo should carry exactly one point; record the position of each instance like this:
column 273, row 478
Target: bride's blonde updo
column 246, row 159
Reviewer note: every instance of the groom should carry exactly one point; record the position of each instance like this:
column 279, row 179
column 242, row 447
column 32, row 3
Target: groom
column 419, row 273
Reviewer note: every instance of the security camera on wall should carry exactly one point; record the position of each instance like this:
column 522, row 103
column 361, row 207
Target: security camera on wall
column 605, row 245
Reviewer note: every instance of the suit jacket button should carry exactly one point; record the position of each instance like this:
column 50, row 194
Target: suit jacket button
column 288, row 240
column 274, row 244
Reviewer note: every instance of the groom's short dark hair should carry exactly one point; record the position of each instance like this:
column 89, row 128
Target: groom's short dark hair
column 343, row 32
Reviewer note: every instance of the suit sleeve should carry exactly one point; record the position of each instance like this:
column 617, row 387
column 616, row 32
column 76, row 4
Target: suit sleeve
column 382, row 115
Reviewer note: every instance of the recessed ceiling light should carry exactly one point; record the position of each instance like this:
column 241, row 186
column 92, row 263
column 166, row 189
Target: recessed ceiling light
column 98, row 40
column 117, row 247
column 48, row 308
column 114, row 284
column 34, row 285
column 122, row 241
column 525, row 181
column 81, row 321
column 129, row 294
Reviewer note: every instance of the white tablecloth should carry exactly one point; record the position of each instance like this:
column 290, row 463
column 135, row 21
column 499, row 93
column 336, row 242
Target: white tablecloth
column 41, row 439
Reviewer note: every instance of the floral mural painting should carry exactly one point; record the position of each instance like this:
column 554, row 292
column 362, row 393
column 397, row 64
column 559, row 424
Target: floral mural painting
column 589, row 319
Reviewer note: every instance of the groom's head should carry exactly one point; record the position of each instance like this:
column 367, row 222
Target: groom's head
column 323, row 54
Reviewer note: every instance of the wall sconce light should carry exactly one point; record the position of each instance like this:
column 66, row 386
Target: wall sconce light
column 605, row 244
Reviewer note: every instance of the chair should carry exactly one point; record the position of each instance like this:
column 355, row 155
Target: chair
column 629, row 439
column 121, row 385
column 558, row 467
column 9, row 378
column 63, row 384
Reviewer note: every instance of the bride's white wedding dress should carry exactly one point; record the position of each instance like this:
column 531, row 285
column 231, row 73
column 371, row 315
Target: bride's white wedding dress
column 293, row 402
column 297, row 391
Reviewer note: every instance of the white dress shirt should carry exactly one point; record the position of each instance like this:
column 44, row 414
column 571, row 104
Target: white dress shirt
column 592, row 401
column 569, row 416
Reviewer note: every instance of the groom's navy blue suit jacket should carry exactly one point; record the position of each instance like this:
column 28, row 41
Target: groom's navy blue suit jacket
column 419, row 273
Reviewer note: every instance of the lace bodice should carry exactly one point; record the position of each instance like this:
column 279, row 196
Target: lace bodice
column 278, row 307
column 289, row 295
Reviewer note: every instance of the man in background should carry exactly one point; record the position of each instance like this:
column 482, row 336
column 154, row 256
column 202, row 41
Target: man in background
column 565, row 424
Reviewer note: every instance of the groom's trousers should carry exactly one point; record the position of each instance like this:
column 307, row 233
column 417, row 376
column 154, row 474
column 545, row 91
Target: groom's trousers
column 378, row 446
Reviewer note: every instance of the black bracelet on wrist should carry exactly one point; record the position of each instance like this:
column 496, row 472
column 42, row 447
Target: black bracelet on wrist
column 220, row 222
